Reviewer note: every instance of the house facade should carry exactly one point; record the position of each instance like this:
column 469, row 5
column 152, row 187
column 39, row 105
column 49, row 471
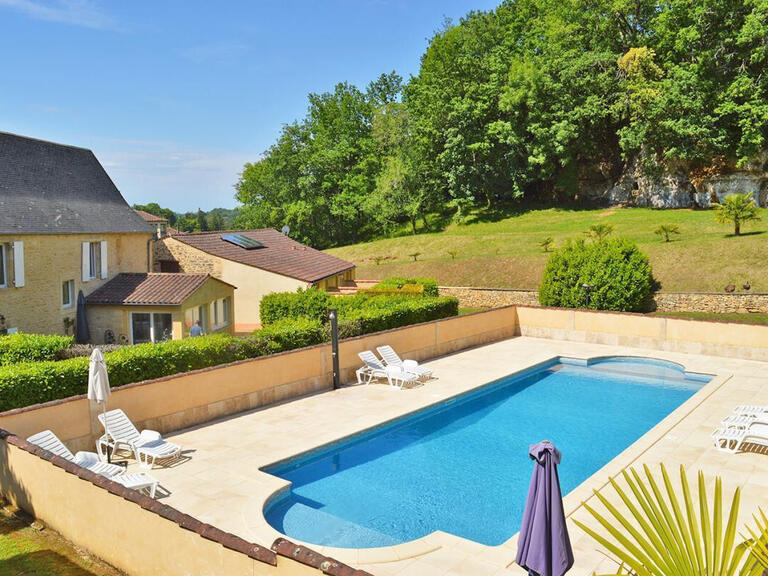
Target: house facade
column 65, row 227
column 140, row 308
column 257, row 262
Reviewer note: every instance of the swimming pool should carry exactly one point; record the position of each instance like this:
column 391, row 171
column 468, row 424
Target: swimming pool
column 462, row 466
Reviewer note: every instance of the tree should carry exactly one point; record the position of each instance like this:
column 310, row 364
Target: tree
column 737, row 208
column 202, row 222
column 547, row 244
column 599, row 232
column 215, row 220
column 666, row 230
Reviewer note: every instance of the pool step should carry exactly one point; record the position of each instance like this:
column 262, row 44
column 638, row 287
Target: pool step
column 318, row 527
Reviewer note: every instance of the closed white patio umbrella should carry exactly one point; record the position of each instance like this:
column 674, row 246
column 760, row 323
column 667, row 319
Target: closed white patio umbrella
column 98, row 384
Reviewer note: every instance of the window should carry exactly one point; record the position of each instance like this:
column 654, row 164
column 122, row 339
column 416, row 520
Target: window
column 220, row 310
column 67, row 291
column 94, row 259
column 151, row 327
column 3, row 267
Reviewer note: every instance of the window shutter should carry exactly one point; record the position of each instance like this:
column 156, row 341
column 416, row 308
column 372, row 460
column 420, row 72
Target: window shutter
column 104, row 259
column 86, row 261
column 18, row 264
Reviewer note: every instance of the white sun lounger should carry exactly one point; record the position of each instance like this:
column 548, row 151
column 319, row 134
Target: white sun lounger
column 374, row 368
column 391, row 358
column 47, row 440
column 138, row 481
column 750, row 410
column 147, row 445
column 731, row 439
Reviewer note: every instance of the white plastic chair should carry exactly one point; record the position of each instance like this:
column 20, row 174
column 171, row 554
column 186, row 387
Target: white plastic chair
column 372, row 368
column 391, row 358
column 147, row 445
column 47, row 440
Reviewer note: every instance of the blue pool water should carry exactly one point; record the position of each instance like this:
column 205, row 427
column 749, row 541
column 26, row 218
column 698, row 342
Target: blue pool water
column 463, row 467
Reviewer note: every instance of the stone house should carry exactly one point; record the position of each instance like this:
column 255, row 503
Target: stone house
column 64, row 227
column 257, row 262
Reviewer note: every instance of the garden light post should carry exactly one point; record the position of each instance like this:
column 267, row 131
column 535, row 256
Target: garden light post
column 587, row 290
column 333, row 315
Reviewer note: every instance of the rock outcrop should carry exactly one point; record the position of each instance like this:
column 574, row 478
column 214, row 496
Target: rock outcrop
column 676, row 188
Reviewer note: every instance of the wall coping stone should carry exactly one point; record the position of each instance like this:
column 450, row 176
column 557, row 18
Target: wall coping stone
column 257, row 552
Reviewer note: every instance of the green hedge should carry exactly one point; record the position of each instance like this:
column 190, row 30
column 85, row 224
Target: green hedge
column 16, row 348
column 407, row 285
column 381, row 315
column 620, row 275
column 29, row 383
column 26, row 383
column 310, row 303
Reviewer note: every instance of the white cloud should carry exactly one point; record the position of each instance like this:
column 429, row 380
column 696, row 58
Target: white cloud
column 76, row 12
column 173, row 175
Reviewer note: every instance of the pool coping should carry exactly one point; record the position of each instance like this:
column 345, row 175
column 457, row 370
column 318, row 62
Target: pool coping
column 572, row 501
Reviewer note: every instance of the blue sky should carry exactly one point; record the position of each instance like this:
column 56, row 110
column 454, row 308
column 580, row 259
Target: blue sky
column 175, row 96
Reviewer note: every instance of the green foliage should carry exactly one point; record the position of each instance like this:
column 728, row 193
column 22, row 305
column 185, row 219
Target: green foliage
column 387, row 312
column 667, row 230
column 292, row 333
column 429, row 285
column 619, row 275
column 599, row 232
column 737, row 209
column 310, row 303
column 547, row 244
column 666, row 537
column 20, row 347
column 533, row 99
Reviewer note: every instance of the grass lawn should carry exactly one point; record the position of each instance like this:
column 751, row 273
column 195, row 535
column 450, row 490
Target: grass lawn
column 739, row 318
column 24, row 550
column 501, row 249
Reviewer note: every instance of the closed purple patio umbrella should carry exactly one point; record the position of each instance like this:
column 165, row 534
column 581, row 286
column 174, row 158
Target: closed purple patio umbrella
column 544, row 547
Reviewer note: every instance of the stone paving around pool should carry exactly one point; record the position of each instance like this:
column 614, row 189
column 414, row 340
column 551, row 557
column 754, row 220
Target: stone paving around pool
column 221, row 482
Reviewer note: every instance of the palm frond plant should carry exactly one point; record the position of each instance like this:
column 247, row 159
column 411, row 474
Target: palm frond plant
column 661, row 535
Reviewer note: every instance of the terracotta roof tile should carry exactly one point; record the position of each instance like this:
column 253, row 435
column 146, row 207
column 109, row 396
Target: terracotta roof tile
column 150, row 217
column 147, row 289
column 280, row 254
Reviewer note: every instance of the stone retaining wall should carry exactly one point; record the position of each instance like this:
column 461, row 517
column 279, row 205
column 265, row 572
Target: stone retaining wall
column 718, row 303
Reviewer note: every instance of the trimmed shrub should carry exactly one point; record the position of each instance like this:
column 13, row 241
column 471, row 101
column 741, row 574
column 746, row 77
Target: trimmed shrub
column 16, row 348
column 396, row 313
column 619, row 273
column 291, row 333
column 398, row 284
column 310, row 303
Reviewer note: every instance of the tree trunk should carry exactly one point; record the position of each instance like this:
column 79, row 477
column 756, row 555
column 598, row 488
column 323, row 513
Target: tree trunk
column 737, row 228
column 413, row 225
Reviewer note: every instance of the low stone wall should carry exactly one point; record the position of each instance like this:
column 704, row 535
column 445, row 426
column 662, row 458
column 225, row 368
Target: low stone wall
column 713, row 302
column 741, row 303
column 490, row 297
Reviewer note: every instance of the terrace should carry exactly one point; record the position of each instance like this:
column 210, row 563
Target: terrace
column 291, row 412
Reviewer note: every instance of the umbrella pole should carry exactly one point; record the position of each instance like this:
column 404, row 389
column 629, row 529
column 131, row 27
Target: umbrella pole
column 106, row 431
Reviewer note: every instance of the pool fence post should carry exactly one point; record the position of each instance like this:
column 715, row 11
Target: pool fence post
column 333, row 316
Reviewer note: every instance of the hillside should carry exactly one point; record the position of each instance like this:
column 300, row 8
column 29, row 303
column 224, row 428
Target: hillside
column 502, row 250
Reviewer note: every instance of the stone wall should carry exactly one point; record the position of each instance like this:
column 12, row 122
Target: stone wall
column 191, row 260
column 718, row 303
column 490, row 297
column 711, row 302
